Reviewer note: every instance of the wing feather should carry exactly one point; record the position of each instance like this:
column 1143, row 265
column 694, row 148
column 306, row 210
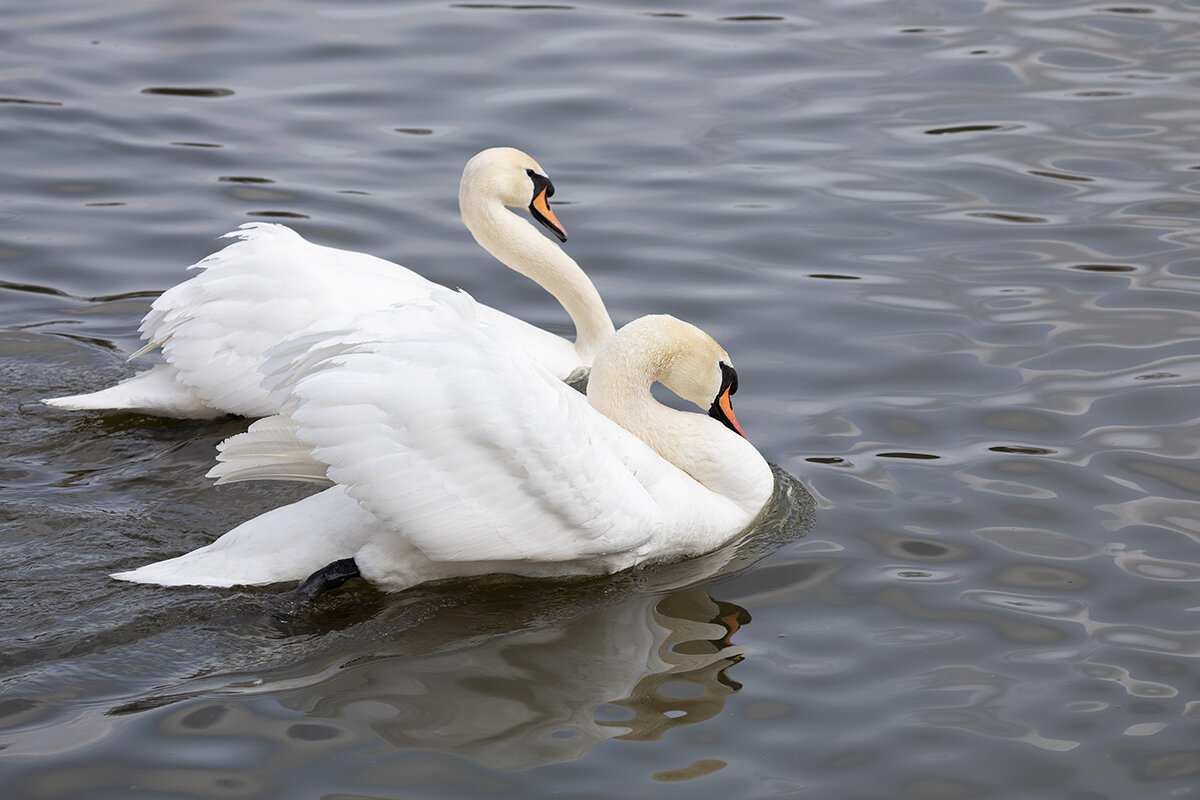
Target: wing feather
column 215, row 327
column 268, row 450
column 452, row 434
column 270, row 283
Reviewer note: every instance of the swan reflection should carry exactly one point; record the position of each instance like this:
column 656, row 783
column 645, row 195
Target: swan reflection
column 549, row 694
column 521, row 674
column 509, row 673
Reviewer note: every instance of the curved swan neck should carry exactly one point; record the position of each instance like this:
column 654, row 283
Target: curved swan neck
column 518, row 245
column 634, row 359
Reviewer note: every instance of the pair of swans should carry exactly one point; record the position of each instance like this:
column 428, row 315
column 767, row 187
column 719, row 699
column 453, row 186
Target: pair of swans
column 449, row 441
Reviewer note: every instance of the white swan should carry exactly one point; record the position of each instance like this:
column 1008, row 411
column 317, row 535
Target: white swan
column 215, row 328
column 495, row 466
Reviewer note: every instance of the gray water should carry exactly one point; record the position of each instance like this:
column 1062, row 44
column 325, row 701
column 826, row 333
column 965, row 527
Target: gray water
column 951, row 247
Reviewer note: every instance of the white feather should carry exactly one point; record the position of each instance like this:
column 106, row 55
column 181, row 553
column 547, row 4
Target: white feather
column 458, row 453
column 215, row 328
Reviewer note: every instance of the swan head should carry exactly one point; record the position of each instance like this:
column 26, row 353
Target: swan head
column 513, row 178
column 660, row 348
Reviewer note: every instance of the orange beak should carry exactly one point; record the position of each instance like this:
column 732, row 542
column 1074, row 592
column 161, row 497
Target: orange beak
column 540, row 208
column 722, row 408
column 727, row 408
column 722, row 411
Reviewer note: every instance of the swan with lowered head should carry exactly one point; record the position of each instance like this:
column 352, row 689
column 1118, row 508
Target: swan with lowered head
column 495, row 466
column 214, row 329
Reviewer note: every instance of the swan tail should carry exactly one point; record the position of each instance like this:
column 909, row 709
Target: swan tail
column 268, row 450
column 155, row 392
column 286, row 544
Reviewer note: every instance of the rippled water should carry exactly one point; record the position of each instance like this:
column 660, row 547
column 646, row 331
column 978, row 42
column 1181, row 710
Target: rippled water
column 951, row 246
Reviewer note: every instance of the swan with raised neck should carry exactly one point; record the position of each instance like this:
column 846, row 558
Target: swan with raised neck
column 214, row 329
column 501, row 177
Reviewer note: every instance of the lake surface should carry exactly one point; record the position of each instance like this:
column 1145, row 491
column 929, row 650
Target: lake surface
column 952, row 248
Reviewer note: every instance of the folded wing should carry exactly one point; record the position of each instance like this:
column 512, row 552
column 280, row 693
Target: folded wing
column 449, row 432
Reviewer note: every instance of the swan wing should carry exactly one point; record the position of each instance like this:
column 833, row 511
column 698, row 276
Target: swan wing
column 462, row 444
column 288, row 543
column 214, row 328
column 268, row 450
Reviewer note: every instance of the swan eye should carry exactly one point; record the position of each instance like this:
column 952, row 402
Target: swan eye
column 540, row 183
column 728, row 378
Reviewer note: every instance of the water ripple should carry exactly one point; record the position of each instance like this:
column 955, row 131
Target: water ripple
column 951, row 249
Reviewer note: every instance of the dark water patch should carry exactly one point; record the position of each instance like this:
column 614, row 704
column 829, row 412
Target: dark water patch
column 978, row 128
column 141, row 300
column 902, row 454
column 243, row 179
column 1103, row 267
column 999, row 216
column 831, row 277
column 415, row 131
column 1061, row 176
column 1129, row 10
column 516, row 7
column 1024, row 450
column 183, row 91
column 280, row 214
column 32, row 288
column 23, row 101
column 196, row 144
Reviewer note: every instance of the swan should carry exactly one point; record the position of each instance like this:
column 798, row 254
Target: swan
column 493, row 467
column 215, row 328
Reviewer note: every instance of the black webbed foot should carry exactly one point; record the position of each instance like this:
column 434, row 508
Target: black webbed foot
column 330, row 576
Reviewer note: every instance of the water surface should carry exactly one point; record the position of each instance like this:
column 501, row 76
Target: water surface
column 951, row 246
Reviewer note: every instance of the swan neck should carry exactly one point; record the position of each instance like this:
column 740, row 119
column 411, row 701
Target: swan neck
column 518, row 245
column 714, row 456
